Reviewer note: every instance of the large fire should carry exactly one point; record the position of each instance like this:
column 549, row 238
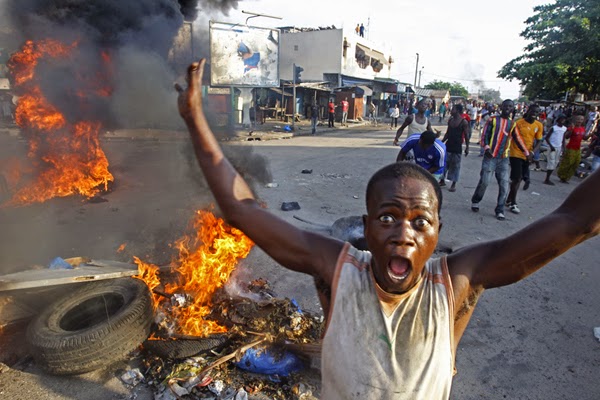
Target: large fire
column 66, row 154
column 204, row 263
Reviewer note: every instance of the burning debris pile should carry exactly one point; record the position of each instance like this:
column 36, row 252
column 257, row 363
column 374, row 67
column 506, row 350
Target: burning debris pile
column 204, row 319
column 83, row 67
column 64, row 151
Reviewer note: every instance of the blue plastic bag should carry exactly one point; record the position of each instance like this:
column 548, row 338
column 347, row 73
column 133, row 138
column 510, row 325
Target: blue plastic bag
column 59, row 263
column 270, row 362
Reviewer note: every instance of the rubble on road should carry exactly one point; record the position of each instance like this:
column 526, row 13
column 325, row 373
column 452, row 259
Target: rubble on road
column 256, row 320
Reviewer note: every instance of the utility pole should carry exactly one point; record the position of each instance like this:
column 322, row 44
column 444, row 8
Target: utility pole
column 294, row 101
column 416, row 70
column 420, row 72
column 296, row 78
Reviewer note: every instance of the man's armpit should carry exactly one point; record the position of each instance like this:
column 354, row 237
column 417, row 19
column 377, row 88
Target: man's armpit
column 467, row 306
column 323, row 287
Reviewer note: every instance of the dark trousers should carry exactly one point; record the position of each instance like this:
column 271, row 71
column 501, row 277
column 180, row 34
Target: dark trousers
column 330, row 122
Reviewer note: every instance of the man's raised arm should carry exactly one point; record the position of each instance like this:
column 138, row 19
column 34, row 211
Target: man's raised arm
column 290, row 246
column 505, row 261
column 407, row 122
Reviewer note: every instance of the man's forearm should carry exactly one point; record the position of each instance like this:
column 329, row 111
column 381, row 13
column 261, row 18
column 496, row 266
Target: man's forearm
column 581, row 207
column 228, row 187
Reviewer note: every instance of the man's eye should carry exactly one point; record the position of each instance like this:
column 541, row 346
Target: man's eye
column 421, row 222
column 387, row 219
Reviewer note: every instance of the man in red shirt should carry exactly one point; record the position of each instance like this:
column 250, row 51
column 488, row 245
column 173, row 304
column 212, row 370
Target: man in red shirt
column 465, row 115
column 331, row 108
column 345, row 106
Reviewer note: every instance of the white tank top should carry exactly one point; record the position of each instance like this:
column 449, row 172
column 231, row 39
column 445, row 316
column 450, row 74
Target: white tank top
column 558, row 133
column 415, row 127
column 404, row 353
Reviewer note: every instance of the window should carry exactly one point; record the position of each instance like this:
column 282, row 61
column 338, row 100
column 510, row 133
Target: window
column 362, row 57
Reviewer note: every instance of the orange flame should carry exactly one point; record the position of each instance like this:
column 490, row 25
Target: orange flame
column 68, row 153
column 149, row 274
column 121, row 247
column 204, row 264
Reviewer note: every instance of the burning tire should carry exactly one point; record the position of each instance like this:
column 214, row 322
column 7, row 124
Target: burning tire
column 91, row 327
column 182, row 348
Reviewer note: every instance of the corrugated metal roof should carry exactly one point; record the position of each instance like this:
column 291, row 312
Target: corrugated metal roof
column 423, row 92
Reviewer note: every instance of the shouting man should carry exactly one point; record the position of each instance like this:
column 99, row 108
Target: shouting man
column 394, row 316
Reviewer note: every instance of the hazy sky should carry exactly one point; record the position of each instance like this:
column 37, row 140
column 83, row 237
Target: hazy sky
column 457, row 40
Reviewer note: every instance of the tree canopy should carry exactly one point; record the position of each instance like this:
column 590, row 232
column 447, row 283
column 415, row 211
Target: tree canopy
column 455, row 88
column 564, row 51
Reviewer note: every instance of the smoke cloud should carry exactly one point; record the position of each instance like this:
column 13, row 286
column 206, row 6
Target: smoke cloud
column 136, row 35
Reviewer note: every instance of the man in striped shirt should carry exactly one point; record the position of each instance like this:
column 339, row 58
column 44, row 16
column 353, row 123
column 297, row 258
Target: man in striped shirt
column 496, row 140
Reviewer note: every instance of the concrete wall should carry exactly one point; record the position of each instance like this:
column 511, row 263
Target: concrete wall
column 320, row 52
column 317, row 52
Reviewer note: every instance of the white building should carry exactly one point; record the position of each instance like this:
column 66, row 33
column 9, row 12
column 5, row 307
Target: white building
column 331, row 53
column 337, row 56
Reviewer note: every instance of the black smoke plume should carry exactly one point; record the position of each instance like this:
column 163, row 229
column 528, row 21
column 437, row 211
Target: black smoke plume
column 137, row 35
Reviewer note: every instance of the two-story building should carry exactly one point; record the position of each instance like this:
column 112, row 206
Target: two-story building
column 352, row 66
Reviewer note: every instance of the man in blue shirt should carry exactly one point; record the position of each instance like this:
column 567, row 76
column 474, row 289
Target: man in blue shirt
column 430, row 152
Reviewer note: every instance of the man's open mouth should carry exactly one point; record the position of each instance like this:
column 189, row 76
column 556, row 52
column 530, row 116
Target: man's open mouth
column 399, row 268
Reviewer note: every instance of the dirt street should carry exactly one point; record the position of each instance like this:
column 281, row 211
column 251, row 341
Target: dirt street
column 532, row 340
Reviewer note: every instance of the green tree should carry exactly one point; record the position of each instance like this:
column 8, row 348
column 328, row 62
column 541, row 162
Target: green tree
column 563, row 54
column 455, row 88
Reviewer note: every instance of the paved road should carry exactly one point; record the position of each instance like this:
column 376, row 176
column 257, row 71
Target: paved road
column 532, row 340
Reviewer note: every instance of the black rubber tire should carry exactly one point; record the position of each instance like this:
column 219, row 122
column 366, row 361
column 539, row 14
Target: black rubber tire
column 91, row 327
column 182, row 348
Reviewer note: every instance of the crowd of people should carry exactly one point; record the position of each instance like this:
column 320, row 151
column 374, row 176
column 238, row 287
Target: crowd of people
column 510, row 146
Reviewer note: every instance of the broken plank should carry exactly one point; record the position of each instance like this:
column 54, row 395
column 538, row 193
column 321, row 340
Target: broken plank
column 93, row 271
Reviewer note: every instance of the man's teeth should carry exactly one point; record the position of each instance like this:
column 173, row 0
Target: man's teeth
column 399, row 277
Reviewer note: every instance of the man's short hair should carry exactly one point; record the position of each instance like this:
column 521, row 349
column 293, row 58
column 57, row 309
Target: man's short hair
column 428, row 137
column 459, row 108
column 402, row 170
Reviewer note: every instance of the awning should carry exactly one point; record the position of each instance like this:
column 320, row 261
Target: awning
column 368, row 52
column 322, row 86
column 278, row 91
column 423, row 92
column 379, row 56
column 367, row 90
column 592, row 103
column 351, row 81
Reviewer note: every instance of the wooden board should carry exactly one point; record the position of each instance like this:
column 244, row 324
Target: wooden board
column 92, row 270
